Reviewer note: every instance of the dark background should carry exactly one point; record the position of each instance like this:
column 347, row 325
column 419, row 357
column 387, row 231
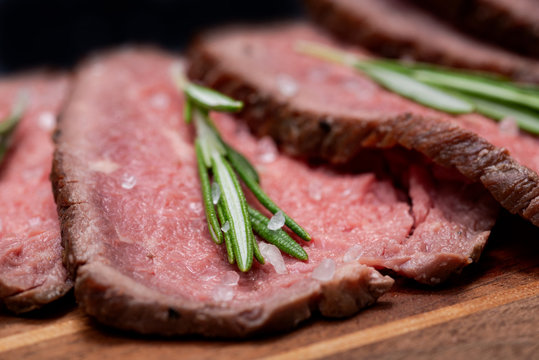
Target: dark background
column 59, row 32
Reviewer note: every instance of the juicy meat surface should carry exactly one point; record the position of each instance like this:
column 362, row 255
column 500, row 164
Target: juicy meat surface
column 512, row 23
column 319, row 109
column 31, row 270
column 397, row 28
column 133, row 224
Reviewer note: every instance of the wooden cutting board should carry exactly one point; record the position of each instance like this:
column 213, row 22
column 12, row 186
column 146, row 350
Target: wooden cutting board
column 489, row 312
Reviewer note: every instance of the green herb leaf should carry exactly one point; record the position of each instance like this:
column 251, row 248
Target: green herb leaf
column 9, row 124
column 210, row 99
column 408, row 87
column 279, row 238
column 526, row 119
column 213, row 223
column 256, row 249
column 188, row 111
column 270, row 205
column 392, row 76
column 238, row 161
column 478, row 86
column 210, row 142
column 228, row 241
column 235, row 209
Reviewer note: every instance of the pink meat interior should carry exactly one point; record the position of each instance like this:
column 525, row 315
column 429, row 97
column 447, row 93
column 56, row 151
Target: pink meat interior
column 140, row 168
column 30, row 249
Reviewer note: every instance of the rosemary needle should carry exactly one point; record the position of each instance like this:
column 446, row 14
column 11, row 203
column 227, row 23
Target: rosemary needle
column 9, row 124
column 270, row 205
column 211, row 99
column 235, row 210
column 228, row 242
column 444, row 89
column 213, row 223
column 279, row 238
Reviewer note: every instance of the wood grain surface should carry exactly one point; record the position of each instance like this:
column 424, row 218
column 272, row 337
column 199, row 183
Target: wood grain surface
column 490, row 311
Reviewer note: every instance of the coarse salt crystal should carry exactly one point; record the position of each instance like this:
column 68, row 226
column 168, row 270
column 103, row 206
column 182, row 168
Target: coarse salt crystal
column 277, row 221
column 287, row 85
column 352, row 254
column 273, row 256
column 231, row 278
column 160, row 101
column 215, row 193
column 508, row 126
column 128, row 181
column 324, row 271
column 47, row 120
column 195, row 207
column 267, row 151
column 34, row 221
column 315, row 191
column 223, row 293
column 226, row 227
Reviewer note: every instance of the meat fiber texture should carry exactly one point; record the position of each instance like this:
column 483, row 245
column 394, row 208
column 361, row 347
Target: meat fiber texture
column 133, row 222
column 397, row 28
column 31, row 270
column 319, row 109
column 511, row 23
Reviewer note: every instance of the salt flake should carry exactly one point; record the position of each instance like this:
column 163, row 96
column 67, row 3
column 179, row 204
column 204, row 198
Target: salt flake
column 226, row 227
column 273, row 256
column 324, row 271
column 231, row 278
column 129, row 181
column 287, row 85
column 47, row 120
column 277, row 221
column 215, row 193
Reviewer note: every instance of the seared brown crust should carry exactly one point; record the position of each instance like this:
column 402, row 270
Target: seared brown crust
column 367, row 29
column 510, row 23
column 118, row 300
column 37, row 297
column 339, row 138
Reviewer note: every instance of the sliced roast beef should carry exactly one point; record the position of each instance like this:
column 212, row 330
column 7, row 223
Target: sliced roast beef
column 512, row 23
column 31, row 270
column 315, row 108
column 133, row 222
column 398, row 28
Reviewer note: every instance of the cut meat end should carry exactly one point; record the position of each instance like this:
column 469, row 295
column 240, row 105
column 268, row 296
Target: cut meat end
column 31, row 270
column 127, row 190
column 334, row 112
column 396, row 28
column 511, row 23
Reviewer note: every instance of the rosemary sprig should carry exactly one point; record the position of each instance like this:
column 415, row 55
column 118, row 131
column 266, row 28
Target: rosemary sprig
column 278, row 238
column 9, row 124
column 448, row 90
column 234, row 220
column 396, row 81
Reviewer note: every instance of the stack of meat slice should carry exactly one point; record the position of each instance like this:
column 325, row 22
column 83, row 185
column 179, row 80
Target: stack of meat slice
column 31, row 270
column 316, row 108
column 135, row 233
column 397, row 28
